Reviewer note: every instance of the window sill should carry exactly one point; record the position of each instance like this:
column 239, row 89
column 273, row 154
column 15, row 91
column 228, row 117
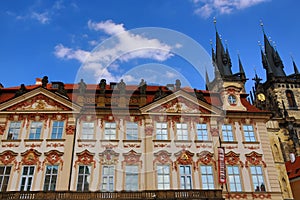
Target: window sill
column 161, row 140
column 229, row 142
column 256, row 142
column 17, row 140
column 33, row 140
column 183, row 141
column 203, row 141
column 86, row 140
column 107, row 140
column 129, row 141
column 55, row 140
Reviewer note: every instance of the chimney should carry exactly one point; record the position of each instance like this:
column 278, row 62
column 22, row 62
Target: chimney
column 38, row 81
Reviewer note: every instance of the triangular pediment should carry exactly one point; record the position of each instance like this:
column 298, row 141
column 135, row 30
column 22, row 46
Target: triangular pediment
column 180, row 102
column 39, row 100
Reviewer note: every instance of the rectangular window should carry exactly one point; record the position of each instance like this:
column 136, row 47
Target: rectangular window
column 57, row 129
column 185, row 177
column 4, row 177
column 83, row 180
column 132, row 178
column 257, row 178
column 50, row 177
column 202, row 132
column 182, row 131
column 87, row 130
column 108, row 172
column 161, row 131
column 249, row 133
column 207, row 177
column 227, row 133
column 234, row 178
column 14, row 130
column 110, row 131
column 35, row 130
column 27, row 178
column 163, row 177
column 131, row 131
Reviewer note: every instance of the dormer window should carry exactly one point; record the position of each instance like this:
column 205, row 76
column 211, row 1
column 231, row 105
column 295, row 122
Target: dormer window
column 232, row 100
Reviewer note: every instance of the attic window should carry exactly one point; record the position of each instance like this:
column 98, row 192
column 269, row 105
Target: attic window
column 56, row 85
column 113, row 85
column 170, row 87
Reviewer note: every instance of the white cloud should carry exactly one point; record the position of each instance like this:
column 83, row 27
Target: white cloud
column 123, row 46
column 205, row 8
column 43, row 18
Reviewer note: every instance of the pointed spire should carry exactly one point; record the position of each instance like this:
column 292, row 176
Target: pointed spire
column 296, row 71
column 206, row 80
column 241, row 68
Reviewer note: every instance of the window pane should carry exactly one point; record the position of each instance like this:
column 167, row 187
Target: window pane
column 182, row 131
column 87, row 130
column 131, row 131
column 227, row 133
column 57, row 129
column 110, row 131
column 249, row 133
column 14, row 130
column 4, row 177
column 161, row 131
column 83, row 179
column 207, row 177
column 35, row 130
column 185, row 177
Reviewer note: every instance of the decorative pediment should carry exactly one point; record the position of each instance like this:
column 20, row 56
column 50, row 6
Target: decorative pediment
column 254, row 158
column 162, row 157
column 86, row 158
column 132, row 157
column 38, row 100
column 232, row 158
column 184, row 157
column 205, row 157
column 31, row 157
column 8, row 157
column 180, row 102
column 54, row 157
column 109, row 157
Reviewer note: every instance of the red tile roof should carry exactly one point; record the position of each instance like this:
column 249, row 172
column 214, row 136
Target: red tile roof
column 293, row 169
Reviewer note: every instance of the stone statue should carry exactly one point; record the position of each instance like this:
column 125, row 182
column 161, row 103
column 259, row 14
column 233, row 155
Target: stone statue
column 21, row 91
column 44, row 81
column 177, row 84
column 81, row 87
column 122, row 87
column 143, row 87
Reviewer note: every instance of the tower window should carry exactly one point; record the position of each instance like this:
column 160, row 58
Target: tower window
column 291, row 99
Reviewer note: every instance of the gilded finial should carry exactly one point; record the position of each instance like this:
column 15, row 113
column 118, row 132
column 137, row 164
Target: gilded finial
column 215, row 23
column 262, row 26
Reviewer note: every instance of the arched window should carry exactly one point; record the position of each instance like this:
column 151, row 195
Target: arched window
column 291, row 99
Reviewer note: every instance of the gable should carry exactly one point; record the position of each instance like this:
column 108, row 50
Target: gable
column 180, row 103
column 39, row 100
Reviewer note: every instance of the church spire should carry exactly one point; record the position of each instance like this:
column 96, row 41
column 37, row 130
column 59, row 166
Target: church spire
column 272, row 58
column 241, row 69
column 296, row 71
column 206, row 80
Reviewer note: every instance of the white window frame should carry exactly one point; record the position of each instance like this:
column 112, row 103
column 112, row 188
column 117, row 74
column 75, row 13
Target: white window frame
column 14, row 130
column 108, row 178
column 4, row 177
column 207, row 177
column 202, row 132
column 182, row 131
column 132, row 131
column 186, row 180
column 249, row 134
column 57, row 129
column 35, row 132
column 162, row 130
column 50, row 177
column 86, row 176
column 234, row 178
column 227, row 133
column 88, row 129
column 27, row 177
column 257, row 177
column 163, row 177
column 110, row 131
column 131, row 177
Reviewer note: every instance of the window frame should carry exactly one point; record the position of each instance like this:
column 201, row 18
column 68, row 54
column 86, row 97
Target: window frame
column 87, row 132
column 27, row 177
column 110, row 130
column 250, row 134
column 202, row 132
column 229, row 133
column 132, row 133
column 85, row 177
column 257, row 177
column 4, row 177
column 52, row 176
column 36, row 130
column 181, row 132
column 164, row 175
column 235, row 177
column 10, row 128
column 207, row 185
column 109, row 176
column 161, row 131
column 186, row 177
column 129, row 184
column 60, row 127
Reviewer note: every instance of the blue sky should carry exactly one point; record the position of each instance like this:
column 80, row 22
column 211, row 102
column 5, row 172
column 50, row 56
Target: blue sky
column 56, row 38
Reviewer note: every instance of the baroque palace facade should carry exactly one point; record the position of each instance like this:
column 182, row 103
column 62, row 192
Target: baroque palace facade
column 109, row 141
